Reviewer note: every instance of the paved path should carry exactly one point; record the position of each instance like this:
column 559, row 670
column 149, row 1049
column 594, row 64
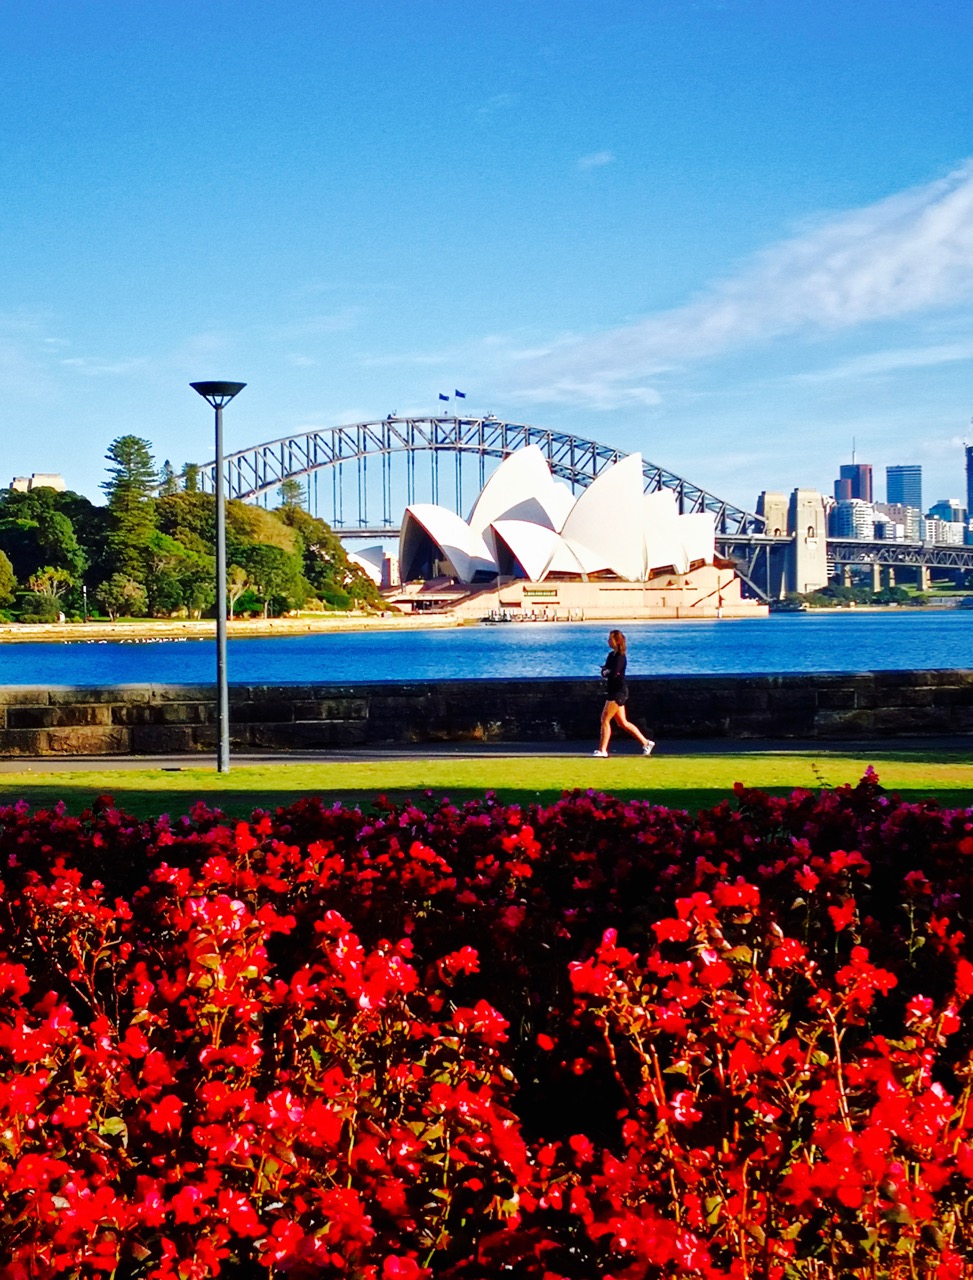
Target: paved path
column 862, row 748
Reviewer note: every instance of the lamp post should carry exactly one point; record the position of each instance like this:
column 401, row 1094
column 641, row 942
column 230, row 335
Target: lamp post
column 219, row 394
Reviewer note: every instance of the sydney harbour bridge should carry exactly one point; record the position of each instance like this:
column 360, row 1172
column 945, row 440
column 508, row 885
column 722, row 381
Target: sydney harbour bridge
column 360, row 477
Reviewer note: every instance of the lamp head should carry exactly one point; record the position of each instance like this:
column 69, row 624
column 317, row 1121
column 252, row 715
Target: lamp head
column 218, row 394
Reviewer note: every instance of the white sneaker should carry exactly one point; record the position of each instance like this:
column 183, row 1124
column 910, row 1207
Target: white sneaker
column 648, row 748
column 603, row 754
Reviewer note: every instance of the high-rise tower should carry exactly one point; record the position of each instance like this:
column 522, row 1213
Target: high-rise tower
column 903, row 486
column 854, row 481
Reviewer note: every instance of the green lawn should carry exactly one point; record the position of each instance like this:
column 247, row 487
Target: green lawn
column 683, row 781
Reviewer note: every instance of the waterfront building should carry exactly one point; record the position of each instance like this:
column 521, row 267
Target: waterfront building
column 903, row 486
column 969, row 480
column 852, row 518
column 531, row 548
column 39, row 480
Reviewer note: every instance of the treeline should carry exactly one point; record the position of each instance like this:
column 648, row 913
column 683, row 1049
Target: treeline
column 150, row 550
column 835, row 596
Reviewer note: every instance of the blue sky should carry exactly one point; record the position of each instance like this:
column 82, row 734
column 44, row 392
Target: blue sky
column 734, row 234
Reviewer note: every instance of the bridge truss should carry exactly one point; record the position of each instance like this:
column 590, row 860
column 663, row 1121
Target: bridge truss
column 262, row 469
column 911, row 555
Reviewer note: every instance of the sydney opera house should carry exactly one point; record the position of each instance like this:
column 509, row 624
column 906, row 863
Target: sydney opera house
column 531, row 548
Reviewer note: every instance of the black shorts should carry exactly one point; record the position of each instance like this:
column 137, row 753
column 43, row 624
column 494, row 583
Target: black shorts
column 618, row 694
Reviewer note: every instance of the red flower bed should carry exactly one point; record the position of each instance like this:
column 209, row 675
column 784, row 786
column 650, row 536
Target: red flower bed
column 597, row 1039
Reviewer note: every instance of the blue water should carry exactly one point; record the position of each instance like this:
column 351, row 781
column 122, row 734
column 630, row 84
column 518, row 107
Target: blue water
column 849, row 641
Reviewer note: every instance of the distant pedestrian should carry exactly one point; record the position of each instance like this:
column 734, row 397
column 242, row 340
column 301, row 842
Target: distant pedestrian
column 617, row 696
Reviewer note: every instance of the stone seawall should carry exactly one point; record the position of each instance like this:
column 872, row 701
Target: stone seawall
column 150, row 719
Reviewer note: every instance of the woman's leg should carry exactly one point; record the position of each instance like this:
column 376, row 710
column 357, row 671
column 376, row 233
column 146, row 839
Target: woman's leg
column 608, row 712
column 627, row 725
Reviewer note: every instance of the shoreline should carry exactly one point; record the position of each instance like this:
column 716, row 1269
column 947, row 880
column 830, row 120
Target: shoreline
column 142, row 629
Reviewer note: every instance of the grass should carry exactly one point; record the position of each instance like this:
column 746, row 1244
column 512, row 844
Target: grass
column 681, row 781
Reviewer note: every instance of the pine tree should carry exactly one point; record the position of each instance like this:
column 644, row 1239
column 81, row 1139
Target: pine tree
column 168, row 480
column 130, row 489
column 291, row 493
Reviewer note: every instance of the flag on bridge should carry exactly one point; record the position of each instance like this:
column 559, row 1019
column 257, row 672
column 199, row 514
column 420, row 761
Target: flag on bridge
column 460, row 395
column 442, row 397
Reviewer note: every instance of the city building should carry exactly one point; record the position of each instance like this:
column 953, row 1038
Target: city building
column 530, row 548
column 39, row 480
column 943, row 533
column 854, row 481
column 852, row 518
column 903, row 486
column 949, row 509
column 969, row 480
column 888, row 530
column 906, row 518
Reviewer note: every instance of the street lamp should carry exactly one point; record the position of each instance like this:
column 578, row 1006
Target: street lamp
column 219, row 394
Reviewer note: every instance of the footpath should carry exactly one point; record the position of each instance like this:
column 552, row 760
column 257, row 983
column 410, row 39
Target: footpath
column 875, row 749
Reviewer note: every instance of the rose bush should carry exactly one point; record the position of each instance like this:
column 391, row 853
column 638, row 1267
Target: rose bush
column 598, row 1038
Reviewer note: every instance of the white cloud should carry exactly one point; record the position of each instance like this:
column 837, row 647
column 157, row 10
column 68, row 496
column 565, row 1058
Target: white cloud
column 499, row 103
column 92, row 367
column 594, row 393
column 905, row 254
column 877, row 363
column 596, row 160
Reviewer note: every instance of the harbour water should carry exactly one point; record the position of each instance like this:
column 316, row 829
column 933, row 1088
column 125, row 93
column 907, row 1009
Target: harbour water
column 816, row 641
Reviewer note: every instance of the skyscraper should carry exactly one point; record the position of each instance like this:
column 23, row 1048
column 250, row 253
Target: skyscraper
column 969, row 481
column 859, row 478
column 903, row 486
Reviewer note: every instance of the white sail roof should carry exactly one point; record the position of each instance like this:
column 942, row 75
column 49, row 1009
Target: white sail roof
column 699, row 536
column 465, row 551
column 371, row 559
column 663, row 538
column 607, row 521
column 532, row 545
column 521, row 488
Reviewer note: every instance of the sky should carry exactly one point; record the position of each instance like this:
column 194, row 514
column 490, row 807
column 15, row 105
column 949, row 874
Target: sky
column 736, row 235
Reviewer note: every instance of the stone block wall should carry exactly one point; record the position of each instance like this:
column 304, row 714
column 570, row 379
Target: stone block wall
column 162, row 719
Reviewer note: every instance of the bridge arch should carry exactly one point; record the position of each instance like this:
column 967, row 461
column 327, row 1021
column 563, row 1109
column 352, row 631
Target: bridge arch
column 261, row 469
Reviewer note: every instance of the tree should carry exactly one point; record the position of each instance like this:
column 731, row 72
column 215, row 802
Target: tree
column 122, row 595
column 276, row 576
column 56, row 537
column 237, row 582
column 36, row 533
column 39, row 608
column 332, row 576
column 51, row 582
column 132, row 472
column 168, row 480
column 199, row 588
column 130, row 489
column 190, row 518
column 190, row 477
column 8, row 583
column 291, row 493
